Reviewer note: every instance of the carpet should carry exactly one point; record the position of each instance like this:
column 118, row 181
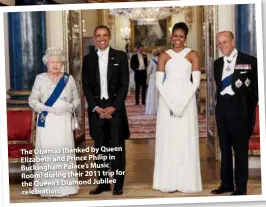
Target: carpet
column 144, row 126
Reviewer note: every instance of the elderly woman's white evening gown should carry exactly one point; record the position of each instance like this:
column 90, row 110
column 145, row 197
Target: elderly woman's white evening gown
column 177, row 158
column 56, row 135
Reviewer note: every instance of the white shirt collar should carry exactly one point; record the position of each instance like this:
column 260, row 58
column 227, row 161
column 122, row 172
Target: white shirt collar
column 102, row 52
column 232, row 55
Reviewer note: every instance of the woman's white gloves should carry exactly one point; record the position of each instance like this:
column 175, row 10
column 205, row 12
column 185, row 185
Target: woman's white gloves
column 67, row 107
column 177, row 103
column 196, row 80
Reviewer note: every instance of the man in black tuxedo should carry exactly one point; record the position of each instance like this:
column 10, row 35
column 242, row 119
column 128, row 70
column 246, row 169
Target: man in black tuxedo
column 236, row 99
column 139, row 63
column 105, row 78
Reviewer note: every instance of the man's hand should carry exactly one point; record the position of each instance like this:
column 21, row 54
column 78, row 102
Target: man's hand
column 109, row 111
column 105, row 113
column 106, row 117
column 100, row 111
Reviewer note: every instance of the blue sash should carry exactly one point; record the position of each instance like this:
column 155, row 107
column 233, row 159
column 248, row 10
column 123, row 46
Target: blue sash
column 225, row 82
column 52, row 99
column 155, row 61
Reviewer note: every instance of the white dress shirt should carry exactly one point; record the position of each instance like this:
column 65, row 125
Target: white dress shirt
column 141, row 62
column 103, row 57
column 228, row 69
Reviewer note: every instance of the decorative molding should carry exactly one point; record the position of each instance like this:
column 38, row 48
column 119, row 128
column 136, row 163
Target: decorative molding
column 18, row 92
column 65, row 38
column 111, row 21
column 215, row 56
column 216, row 29
column 210, row 33
column 68, row 38
column 17, row 102
column 189, row 16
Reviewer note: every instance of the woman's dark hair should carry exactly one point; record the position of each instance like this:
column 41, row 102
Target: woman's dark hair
column 181, row 25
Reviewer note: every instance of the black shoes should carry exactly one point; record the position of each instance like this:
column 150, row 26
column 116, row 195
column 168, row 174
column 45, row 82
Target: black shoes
column 99, row 189
column 225, row 189
column 222, row 189
column 235, row 193
column 117, row 191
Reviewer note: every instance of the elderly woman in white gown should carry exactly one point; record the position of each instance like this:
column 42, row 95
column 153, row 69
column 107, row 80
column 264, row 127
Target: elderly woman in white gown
column 54, row 97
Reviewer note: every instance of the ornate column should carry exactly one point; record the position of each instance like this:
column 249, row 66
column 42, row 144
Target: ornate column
column 246, row 29
column 27, row 44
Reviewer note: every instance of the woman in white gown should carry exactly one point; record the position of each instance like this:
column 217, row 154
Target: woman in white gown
column 152, row 93
column 177, row 158
column 54, row 97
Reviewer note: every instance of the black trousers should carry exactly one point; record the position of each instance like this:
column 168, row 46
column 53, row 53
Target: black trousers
column 140, row 81
column 233, row 131
column 108, row 137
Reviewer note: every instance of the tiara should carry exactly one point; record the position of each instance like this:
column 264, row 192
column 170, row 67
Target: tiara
column 54, row 51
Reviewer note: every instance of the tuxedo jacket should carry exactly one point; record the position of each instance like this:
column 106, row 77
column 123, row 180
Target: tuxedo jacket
column 117, row 85
column 134, row 62
column 244, row 83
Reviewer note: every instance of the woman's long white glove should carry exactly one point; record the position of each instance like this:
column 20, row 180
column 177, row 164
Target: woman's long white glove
column 164, row 92
column 196, row 80
column 177, row 104
column 69, row 107
column 59, row 110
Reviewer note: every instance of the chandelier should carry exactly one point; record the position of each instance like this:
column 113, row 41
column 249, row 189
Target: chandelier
column 150, row 14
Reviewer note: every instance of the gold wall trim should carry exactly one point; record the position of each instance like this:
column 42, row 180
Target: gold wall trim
column 216, row 29
column 65, row 38
column 18, row 93
column 11, row 101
